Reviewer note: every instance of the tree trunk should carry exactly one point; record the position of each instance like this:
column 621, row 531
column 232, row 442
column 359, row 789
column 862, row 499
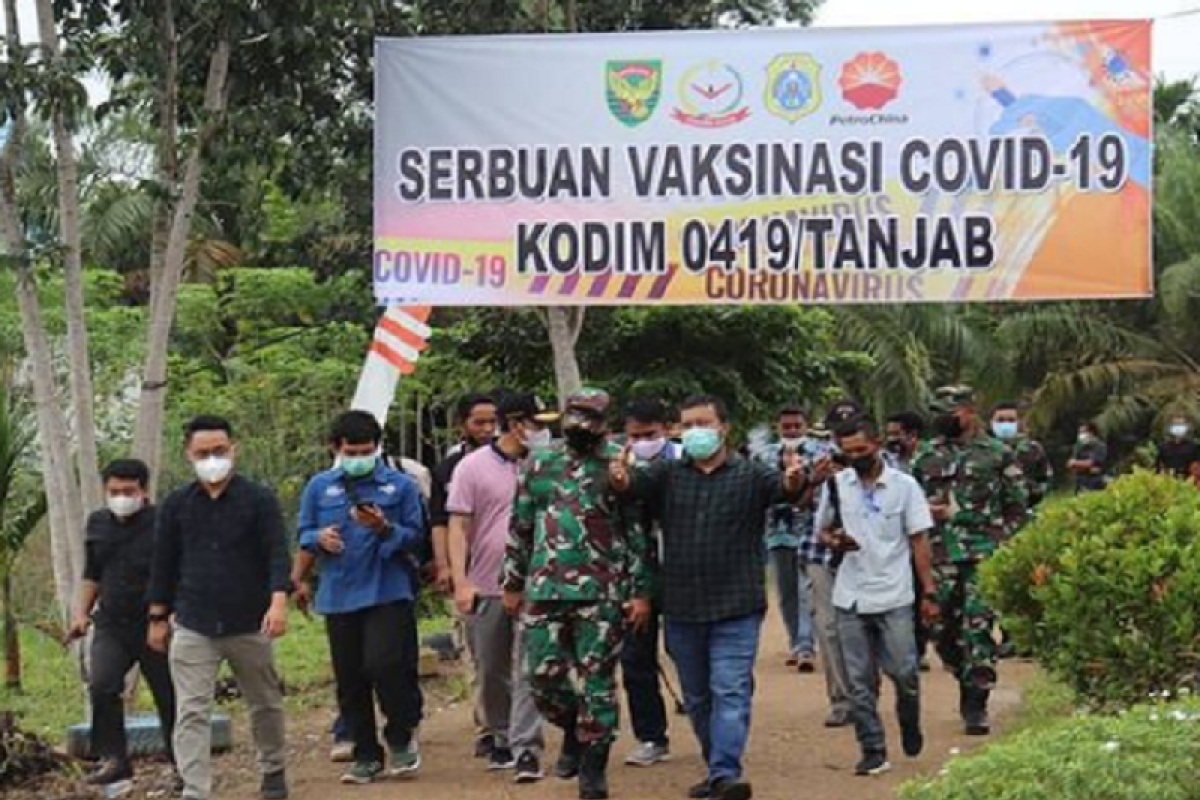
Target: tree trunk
column 147, row 443
column 80, row 368
column 168, row 146
column 12, row 644
column 563, row 325
column 64, row 507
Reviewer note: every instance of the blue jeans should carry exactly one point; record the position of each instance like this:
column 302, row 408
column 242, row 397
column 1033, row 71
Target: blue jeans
column 886, row 640
column 793, row 591
column 715, row 661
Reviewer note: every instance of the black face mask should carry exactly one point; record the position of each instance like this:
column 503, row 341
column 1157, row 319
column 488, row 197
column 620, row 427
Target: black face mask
column 897, row 447
column 864, row 464
column 582, row 440
column 949, row 426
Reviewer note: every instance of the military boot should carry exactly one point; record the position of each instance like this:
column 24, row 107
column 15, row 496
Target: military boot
column 973, row 706
column 567, row 766
column 593, row 773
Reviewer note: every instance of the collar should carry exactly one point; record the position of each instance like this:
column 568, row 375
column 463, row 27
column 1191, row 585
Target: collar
column 884, row 478
column 498, row 451
column 732, row 458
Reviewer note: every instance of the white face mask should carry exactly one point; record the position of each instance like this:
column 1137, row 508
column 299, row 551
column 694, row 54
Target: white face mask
column 122, row 506
column 214, row 469
column 647, row 449
column 536, row 440
column 1179, row 430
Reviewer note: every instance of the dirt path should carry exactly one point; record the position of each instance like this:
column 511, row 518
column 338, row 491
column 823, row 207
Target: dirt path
column 790, row 754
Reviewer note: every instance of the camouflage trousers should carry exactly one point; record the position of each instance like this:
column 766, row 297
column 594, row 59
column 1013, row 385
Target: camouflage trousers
column 963, row 632
column 573, row 650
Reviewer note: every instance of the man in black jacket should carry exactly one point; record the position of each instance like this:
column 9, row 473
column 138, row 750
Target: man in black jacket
column 119, row 546
column 221, row 568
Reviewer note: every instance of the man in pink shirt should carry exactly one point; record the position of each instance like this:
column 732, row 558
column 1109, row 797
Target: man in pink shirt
column 480, row 506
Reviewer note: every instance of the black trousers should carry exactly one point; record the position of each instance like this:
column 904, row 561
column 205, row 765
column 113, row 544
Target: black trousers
column 639, row 670
column 375, row 655
column 116, row 648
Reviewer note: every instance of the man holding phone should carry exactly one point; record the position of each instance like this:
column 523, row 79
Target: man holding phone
column 362, row 519
column 480, row 507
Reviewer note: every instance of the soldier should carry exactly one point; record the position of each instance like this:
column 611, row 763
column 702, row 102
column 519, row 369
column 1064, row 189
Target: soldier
column 1089, row 459
column 571, row 560
column 977, row 495
column 1008, row 427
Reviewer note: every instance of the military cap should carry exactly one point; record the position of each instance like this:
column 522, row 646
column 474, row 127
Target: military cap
column 948, row 398
column 592, row 401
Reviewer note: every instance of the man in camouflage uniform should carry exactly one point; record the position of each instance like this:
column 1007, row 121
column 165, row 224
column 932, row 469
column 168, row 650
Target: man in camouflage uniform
column 978, row 497
column 1008, row 427
column 580, row 573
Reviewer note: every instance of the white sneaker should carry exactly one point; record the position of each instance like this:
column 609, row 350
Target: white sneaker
column 647, row 754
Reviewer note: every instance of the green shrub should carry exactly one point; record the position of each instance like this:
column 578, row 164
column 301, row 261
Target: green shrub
column 1150, row 753
column 1105, row 589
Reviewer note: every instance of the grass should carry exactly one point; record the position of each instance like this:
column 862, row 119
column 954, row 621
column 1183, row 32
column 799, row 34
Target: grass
column 53, row 696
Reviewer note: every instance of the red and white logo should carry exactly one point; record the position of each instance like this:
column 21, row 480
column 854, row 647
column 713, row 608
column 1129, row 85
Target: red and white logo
column 870, row 81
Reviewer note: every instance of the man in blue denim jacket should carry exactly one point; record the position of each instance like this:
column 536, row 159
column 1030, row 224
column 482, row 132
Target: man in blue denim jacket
column 363, row 520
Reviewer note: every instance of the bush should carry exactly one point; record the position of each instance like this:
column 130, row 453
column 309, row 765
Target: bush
column 1150, row 753
column 1104, row 588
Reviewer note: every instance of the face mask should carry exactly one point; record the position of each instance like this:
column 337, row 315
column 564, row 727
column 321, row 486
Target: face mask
column 949, row 426
column 359, row 466
column 122, row 506
column 701, row 443
column 793, row 444
column 1179, row 430
column 1084, row 437
column 896, row 447
column 582, row 440
column 647, row 449
column 1005, row 430
column 863, row 464
column 214, row 469
column 536, row 440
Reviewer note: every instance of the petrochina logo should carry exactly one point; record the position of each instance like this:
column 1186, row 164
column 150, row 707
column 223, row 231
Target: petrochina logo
column 870, row 81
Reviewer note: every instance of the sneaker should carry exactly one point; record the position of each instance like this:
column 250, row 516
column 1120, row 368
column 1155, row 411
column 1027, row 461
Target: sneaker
column 701, row 791
column 838, row 719
column 274, row 786
column 792, row 660
column 806, row 664
column 529, row 768
column 912, row 740
column 501, row 759
column 341, row 752
column 405, row 761
column 484, row 745
column 110, row 772
column 923, row 664
column 872, row 764
column 647, row 754
column 361, row 773
column 731, row 789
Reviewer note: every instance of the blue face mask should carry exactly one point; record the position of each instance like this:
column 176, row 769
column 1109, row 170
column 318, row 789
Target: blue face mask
column 359, row 466
column 701, row 443
column 1005, row 430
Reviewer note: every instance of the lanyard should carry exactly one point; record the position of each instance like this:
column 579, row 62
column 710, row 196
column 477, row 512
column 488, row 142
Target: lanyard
column 870, row 500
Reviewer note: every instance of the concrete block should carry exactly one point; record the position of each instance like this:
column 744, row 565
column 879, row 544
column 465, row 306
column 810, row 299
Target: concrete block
column 145, row 736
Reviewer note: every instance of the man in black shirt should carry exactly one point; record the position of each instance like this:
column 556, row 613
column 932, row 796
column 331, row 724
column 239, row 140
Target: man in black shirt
column 119, row 547
column 221, row 569
column 1178, row 449
column 712, row 506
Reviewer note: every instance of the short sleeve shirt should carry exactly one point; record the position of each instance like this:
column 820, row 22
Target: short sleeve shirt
column 877, row 577
column 484, row 487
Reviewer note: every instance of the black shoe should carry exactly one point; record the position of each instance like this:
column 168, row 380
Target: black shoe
column 274, row 786
column 567, row 766
column 529, row 768
column 109, row 772
column 872, row 764
column 593, row 773
column 972, row 705
column 501, row 759
column 484, row 745
column 701, row 791
column 912, row 741
column 731, row 789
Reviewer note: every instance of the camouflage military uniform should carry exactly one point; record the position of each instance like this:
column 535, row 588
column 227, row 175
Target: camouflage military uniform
column 982, row 483
column 1035, row 466
column 577, row 564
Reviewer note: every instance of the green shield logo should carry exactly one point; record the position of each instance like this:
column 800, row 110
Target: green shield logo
column 633, row 89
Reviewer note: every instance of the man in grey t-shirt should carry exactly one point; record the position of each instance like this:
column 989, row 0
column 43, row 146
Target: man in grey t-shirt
column 879, row 519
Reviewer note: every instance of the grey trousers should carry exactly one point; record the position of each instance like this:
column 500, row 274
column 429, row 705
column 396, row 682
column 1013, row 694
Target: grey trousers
column 871, row 642
column 502, row 679
column 195, row 660
column 837, row 683
column 795, row 608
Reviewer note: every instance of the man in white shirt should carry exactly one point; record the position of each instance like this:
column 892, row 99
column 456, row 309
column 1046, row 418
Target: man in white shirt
column 879, row 519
